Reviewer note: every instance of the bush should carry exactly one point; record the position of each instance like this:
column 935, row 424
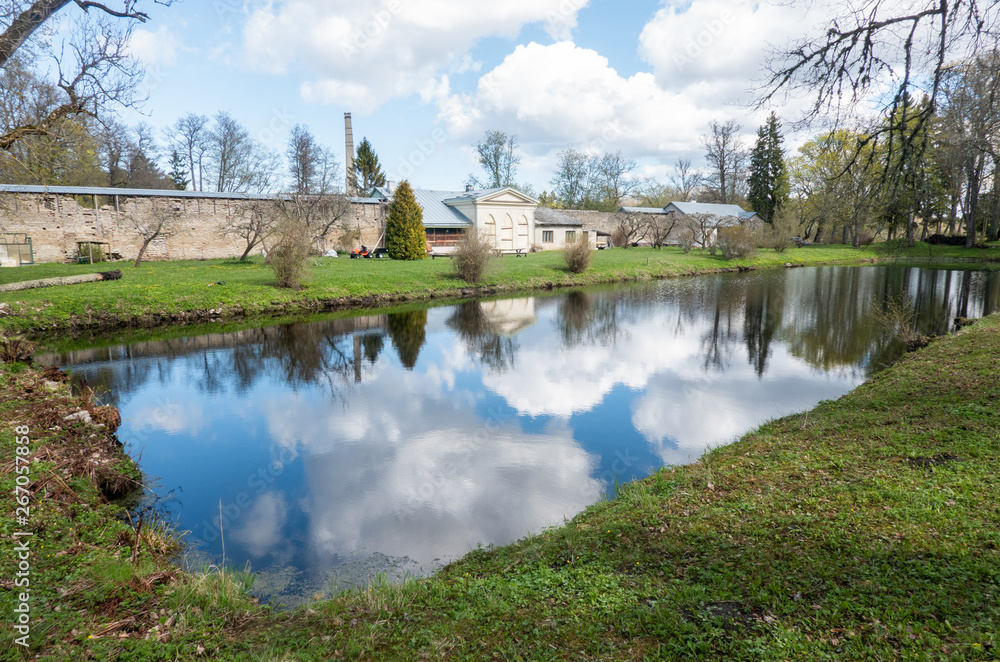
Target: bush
column 737, row 242
column 473, row 256
column 578, row 255
column 772, row 237
column 687, row 240
column 289, row 254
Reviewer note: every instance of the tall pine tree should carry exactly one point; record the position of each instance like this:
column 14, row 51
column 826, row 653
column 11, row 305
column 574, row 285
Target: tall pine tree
column 368, row 169
column 404, row 229
column 768, row 179
column 178, row 175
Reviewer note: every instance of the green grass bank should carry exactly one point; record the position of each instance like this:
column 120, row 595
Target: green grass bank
column 158, row 293
column 865, row 529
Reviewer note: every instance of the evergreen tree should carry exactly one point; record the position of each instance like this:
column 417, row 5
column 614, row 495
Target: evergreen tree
column 408, row 332
column 768, row 179
column 178, row 175
column 369, row 171
column 404, row 229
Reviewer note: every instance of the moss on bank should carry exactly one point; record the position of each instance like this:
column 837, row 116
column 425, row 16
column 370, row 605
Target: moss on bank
column 867, row 528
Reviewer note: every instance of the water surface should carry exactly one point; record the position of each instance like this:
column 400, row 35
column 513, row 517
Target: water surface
column 396, row 442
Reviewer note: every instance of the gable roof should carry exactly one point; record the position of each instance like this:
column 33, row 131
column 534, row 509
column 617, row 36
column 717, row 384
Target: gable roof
column 437, row 213
column 485, row 195
column 546, row 217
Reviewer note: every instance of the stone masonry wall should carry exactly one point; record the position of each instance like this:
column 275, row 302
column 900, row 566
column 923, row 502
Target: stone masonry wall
column 56, row 222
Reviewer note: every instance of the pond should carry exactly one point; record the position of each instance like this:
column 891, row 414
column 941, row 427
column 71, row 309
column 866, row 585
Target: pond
column 323, row 453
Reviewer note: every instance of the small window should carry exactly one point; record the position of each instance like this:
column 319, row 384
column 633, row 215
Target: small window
column 548, row 236
column 570, row 235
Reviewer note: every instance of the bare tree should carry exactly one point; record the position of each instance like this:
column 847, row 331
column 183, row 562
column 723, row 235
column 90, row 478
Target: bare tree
column 614, row 178
column 22, row 19
column 240, row 163
column 496, row 154
column 630, row 228
column 703, row 228
column 684, row 179
column 879, row 49
column 313, row 168
column 971, row 127
column 655, row 194
column 160, row 224
column 726, row 156
column 253, row 224
column 190, row 137
column 92, row 71
column 660, row 227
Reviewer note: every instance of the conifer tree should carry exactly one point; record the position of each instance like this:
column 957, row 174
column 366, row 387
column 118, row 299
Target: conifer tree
column 178, row 175
column 768, row 179
column 369, row 171
column 404, row 229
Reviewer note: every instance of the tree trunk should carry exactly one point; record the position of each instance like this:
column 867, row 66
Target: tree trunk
column 909, row 230
column 25, row 24
column 64, row 280
column 975, row 174
column 142, row 251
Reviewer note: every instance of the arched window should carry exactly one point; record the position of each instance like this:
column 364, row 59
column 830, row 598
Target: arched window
column 507, row 233
column 521, row 241
column 490, row 229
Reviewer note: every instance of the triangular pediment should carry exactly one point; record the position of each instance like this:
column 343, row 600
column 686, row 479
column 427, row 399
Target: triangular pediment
column 508, row 196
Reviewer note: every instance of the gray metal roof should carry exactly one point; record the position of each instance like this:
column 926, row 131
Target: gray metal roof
column 471, row 196
column 711, row 209
column 644, row 210
column 546, row 217
column 437, row 214
column 134, row 192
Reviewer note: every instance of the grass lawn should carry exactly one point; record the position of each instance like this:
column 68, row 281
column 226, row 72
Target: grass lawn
column 158, row 292
column 865, row 529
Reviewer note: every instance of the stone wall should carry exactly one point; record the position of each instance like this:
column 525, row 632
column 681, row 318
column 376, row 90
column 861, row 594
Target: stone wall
column 602, row 221
column 55, row 222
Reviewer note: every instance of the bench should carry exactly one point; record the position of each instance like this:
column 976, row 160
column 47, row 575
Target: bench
column 516, row 252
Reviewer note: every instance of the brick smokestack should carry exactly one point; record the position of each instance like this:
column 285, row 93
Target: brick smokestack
column 351, row 187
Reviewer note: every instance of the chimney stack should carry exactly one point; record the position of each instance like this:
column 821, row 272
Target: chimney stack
column 351, row 187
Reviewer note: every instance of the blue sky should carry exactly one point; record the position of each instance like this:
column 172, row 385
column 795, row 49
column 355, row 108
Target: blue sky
column 424, row 79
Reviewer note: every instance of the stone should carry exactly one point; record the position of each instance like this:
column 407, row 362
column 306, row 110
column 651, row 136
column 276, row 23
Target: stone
column 82, row 415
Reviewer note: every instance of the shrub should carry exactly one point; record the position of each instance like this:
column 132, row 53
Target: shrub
column 737, row 242
column 687, row 240
column 16, row 349
column 473, row 256
column 289, row 254
column 578, row 255
column 779, row 232
column 772, row 237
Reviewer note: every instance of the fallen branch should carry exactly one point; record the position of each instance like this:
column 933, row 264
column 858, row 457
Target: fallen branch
column 63, row 280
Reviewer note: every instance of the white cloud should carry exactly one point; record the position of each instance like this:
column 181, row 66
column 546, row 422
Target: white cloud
column 156, row 49
column 705, row 58
column 362, row 56
column 261, row 526
column 425, row 478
